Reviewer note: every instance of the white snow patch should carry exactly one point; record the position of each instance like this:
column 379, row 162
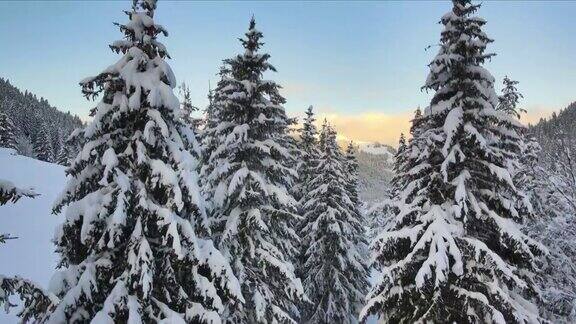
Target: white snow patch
column 31, row 256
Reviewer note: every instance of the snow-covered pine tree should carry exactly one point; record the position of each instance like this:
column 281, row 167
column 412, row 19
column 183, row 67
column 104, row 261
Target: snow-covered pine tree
column 401, row 149
column 10, row 193
column 513, row 142
column 351, row 172
column 380, row 214
column 24, row 146
column 43, row 145
column 188, row 108
column 210, row 95
column 322, row 134
column 508, row 101
column 210, row 140
column 415, row 143
column 528, row 179
column 522, row 156
column 308, row 153
column 333, row 269
column 74, row 143
column 250, row 178
column 309, row 132
column 352, row 181
column 192, row 125
column 415, row 150
column 36, row 299
column 134, row 247
column 63, row 155
column 417, row 121
column 62, row 150
column 400, row 159
column 292, row 145
column 33, row 296
column 454, row 252
column 7, row 136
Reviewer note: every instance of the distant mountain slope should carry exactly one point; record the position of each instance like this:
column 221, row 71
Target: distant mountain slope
column 375, row 163
column 564, row 120
column 378, row 149
column 30, row 114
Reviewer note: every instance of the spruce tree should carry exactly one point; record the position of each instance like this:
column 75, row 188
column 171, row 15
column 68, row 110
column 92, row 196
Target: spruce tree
column 188, row 109
column 407, row 154
column 529, row 178
column 25, row 146
column 352, row 175
column 333, row 270
column 380, row 214
column 63, row 155
column 193, row 124
column 521, row 156
column 454, row 252
column 249, row 177
column 43, row 145
column 10, row 193
column 401, row 146
column 508, row 101
column 135, row 247
column 210, row 140
column 399, row 164
column 351, row 167
column 308, row 153
column 74, row 143
column 7, row 136
column 35, row 298
column 323, row 133
column 512, row 142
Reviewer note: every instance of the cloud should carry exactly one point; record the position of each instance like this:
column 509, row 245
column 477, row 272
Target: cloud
column 369, row 126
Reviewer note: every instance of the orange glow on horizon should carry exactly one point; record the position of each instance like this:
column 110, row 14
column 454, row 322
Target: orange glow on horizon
column 368, row 127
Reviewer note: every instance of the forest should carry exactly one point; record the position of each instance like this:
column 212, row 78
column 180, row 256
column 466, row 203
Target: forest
column 238, row 212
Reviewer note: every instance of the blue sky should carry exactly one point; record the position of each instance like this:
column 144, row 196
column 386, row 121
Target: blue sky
column 359, row 63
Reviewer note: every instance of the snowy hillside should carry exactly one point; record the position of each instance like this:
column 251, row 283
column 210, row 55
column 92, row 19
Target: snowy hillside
column 376, row 148
column 375, row 170
column 30, row 220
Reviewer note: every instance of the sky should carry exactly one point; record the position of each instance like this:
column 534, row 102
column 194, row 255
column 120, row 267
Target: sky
column 360, row 64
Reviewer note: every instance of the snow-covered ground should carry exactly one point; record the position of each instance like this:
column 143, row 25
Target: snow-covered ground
column 32, row 254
